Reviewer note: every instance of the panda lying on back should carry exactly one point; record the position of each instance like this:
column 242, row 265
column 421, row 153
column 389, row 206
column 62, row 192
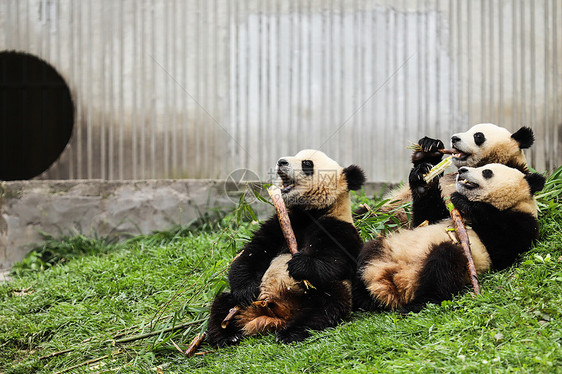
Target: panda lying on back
column 316, row 192
column 410, row 268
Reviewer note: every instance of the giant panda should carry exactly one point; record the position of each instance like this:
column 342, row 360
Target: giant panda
column 410, row 268
column 482, row 144
column 316, row 191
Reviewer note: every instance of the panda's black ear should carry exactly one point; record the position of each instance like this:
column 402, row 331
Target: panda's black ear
column 536, row 182
column 524, row 136
column 354, row 176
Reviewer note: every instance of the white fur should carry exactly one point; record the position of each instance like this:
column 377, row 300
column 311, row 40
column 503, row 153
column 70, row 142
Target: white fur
column 506, row 189
column 325, row 188
column 499, row 146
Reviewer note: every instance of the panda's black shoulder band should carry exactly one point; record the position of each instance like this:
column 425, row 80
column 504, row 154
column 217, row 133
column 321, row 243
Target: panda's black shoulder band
column 524, row 136
column 355, row 177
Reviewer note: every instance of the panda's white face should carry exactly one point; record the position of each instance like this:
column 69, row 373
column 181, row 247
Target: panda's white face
column 483, row 144
column 310, row 179
column 496, row 184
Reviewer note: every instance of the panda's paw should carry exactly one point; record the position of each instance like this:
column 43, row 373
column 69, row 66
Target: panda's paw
column 301, row 267
column 428, row 152
column 461, row 202
column 226, row 340
column 416, row 180
column 291, row 335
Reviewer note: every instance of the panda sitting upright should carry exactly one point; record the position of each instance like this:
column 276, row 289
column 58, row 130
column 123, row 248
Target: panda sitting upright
column 483, row 144
column 316, row 192
column 410, row 268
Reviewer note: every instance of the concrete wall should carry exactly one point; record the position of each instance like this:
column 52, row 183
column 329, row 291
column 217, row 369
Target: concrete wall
column 103, row 208
column 109, row 208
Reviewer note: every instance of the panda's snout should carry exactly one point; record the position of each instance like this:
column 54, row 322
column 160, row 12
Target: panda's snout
column 463, row 170
column 282, row 162
column 455, row 139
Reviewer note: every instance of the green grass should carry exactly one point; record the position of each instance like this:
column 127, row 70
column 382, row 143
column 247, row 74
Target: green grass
column 86, row 296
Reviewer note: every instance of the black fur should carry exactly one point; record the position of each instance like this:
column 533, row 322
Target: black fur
column 216, row 335
column 355, row 177
column 536, row 182
column 362, row 299
column 442, row 275
column 427, row 202
column 328, row 250
column 429, row 151
column 524, row 136
column 323, row 309
column 505, row 234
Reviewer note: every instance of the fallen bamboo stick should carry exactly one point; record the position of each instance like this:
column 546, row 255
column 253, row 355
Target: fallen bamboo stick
column 462, row 234
column 195, row 343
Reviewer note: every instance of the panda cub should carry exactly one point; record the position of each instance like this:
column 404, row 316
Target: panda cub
column 483, row 144
column 267, row 282
column 410, row 268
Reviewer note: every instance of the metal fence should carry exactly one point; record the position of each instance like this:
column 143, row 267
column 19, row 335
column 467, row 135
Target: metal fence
column 177, row 89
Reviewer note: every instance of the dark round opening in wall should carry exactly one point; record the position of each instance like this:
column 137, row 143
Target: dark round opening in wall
column 36, row 115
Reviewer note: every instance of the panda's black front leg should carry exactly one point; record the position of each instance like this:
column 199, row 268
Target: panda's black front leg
column 427, row 203
column 248, row 268
column 217, row 335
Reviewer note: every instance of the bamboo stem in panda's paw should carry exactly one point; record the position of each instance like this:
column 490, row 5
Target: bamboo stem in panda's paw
column 462, row 234
column 283, row 216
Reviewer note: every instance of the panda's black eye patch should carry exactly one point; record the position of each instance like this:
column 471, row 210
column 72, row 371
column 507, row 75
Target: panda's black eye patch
column 307, row 167
column 487, row 173
column 479, row 138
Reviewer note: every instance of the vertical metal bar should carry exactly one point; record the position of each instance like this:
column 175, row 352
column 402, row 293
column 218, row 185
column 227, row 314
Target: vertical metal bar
column 165, row 84
column 135, row 86
column 556, row 78
column 143, row 146
column 89, row 132
column 484, row 77
column 121, row 116
column 532, row 36
column 514, row 64
column 174, row 108
column 501, row 68
column 154, row 92
column 109, row 72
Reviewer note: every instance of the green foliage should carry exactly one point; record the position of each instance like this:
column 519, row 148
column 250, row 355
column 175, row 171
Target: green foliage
column 132, row 303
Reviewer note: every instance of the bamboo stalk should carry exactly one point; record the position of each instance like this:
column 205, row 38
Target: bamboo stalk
column 462, row 234
column 283, row 216
column 438, row 169
column 195, row 343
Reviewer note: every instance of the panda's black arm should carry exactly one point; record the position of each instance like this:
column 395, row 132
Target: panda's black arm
column 247, row 270
column 328, row 252
column 505, row 234
column 427, row 202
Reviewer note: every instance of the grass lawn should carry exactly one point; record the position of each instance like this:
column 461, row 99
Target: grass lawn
column 129, row 307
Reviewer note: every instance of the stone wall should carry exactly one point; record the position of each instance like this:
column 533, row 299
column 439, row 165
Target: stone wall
column 106, row 208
